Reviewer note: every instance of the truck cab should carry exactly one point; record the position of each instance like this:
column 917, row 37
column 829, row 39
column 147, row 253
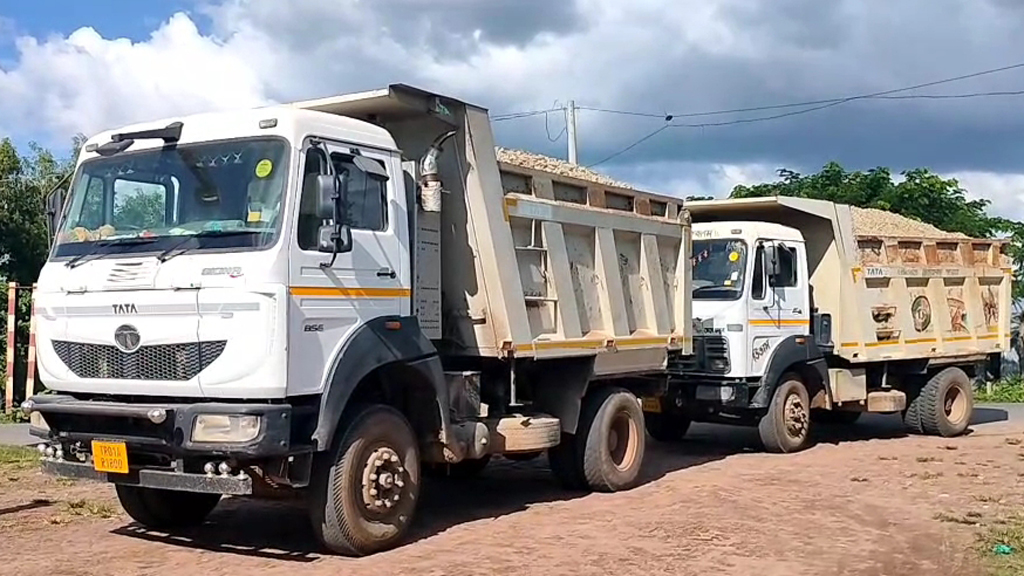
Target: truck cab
column 753, row 317
column 750, row 293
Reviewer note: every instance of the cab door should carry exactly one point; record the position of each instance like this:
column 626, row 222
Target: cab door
column 328, row 303
column 778, row 299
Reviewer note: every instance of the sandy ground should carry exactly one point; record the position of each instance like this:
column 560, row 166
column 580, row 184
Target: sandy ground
column 865, row 501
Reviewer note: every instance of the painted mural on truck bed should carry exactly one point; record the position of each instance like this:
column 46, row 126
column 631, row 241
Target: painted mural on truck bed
column 942, row 294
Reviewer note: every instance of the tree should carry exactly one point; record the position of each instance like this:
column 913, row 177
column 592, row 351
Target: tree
column 921, row 195
column 24, row 183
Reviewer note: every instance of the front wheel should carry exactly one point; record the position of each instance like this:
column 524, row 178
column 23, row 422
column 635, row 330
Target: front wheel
column 365, row 492
column 786, row 425
column 165, row 509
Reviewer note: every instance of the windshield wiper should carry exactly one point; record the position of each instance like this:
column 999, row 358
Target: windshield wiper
column 166, row 254
column 80, row 259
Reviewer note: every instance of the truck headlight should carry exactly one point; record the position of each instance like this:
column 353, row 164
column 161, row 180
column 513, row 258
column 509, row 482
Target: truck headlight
column 225, row 428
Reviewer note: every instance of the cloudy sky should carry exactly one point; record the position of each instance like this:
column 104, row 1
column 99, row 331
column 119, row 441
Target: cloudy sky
column 70, row 66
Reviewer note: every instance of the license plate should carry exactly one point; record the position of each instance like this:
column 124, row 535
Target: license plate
column 651, row 405
column 110, row 457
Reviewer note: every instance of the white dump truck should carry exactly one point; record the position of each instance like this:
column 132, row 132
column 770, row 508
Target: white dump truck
column 335, row 296
column 806, row 310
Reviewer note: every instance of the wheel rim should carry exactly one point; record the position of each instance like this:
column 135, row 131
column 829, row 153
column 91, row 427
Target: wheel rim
column 795, row 416
column 954, row 404
column 622, row 440
column 385, row 483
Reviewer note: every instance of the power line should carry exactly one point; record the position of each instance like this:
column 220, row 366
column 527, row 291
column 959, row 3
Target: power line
column 814, row 108
column 801, row 104
column 515, row 115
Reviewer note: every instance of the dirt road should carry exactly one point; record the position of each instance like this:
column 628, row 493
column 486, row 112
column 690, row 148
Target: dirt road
column 711, row 505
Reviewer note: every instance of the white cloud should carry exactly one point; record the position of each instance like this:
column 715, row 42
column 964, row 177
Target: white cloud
column 87, row 83
column 1004, row 191
column 684, row 179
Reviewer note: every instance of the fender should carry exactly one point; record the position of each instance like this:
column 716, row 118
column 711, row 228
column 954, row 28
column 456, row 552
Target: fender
column 791, row 350
column 372, row 346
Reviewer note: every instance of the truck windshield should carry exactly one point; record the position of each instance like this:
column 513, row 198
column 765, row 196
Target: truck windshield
column 162, row 195
column 718, row 269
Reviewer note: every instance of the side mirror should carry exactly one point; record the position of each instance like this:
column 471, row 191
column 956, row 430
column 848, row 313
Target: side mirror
column 335, row 239
column 332, row 204
column 327, row 196
column 54, row 211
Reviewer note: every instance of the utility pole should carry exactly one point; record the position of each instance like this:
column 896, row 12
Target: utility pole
column 570, row 131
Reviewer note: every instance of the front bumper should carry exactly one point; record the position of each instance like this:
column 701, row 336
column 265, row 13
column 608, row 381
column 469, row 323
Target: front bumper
column 238, row 484
column 71, row 421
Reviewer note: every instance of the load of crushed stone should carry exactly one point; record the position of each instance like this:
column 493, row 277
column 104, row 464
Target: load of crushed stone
column 533, row 161
column 866, row 221
column 874, row 222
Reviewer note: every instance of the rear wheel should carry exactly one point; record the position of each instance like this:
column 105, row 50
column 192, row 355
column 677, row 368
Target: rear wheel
column 666, row 427
column 607, row 451
column 786, row 425
column 944, row 406
column 365, row 492
column 163, row 509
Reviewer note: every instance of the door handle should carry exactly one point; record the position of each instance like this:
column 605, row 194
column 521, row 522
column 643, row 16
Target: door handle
column 386, row 273
column 797, row 311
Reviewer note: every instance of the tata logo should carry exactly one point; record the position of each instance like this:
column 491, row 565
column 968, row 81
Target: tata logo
column 124, row 309
column 127, row 338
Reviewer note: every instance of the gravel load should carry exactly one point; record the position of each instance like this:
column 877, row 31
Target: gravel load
column 533, row 161
column 874, row 222
column 866, row 221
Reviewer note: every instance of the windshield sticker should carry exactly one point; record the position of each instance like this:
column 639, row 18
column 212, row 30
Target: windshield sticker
column 264, row 168
column 734, row 256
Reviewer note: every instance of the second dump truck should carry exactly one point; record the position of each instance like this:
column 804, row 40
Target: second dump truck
column 806, row 310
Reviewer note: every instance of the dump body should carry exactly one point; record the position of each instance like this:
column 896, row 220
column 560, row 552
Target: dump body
column 534, row 264
column 892, row 295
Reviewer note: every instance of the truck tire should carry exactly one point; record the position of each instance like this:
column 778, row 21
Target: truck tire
column 784, row 428
column 835, row 417
column 364, row 492
column 945, row 404
column 165, row 509
column 666, row 428
column 461, row 470
column 612, row 440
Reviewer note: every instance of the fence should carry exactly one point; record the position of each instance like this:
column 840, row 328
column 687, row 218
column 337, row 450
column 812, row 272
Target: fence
column 12, row 313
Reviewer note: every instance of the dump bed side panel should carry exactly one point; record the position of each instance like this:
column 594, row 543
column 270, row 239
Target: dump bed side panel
column 925, row 297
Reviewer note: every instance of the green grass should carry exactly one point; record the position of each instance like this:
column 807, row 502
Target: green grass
column 1009, row 534
column 1004, row 391
column 18, row 457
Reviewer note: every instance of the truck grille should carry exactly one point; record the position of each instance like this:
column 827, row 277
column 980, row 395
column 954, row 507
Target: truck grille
column 169, row 362
column 710, row 355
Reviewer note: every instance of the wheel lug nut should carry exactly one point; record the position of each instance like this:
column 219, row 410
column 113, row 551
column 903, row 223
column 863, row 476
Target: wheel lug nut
column 378, row 503
column 387, row 503
column 394, row 458
column 373, row 491
column 397, row 497
column 399, row 483
column 373, row 477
